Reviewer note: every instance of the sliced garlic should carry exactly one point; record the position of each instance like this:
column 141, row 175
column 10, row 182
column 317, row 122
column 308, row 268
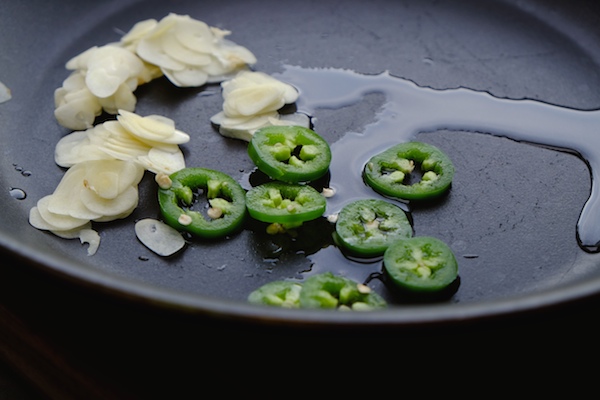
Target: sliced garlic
column 5, row 93
column 154, row 128
column 137, row 32
column 110, row 179
column 163, row 161
column 103, row 78
column 151, row 141
column 75, row 106
column 85, row 235
column 78, row 198
column 108, row 67
column 159, row 237
column 54, row 221
column 117, row 206
column 251, row 101
column 242, row 127
column 66, row 199
column 122, row 99
column 190, row 53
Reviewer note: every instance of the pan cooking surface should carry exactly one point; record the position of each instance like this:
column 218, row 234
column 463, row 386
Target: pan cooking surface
column 511, row 214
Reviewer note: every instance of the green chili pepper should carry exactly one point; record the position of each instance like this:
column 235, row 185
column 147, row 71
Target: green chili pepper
column 225, row 196
column 389, row 172
column 367, row 227
column 277, row 293
column 290, row 153
column 329, row 291
column 319, row 291
column 284, row 203
column 420, row 264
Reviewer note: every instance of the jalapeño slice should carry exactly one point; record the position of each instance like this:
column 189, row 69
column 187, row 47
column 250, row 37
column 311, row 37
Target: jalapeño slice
column 420, row 264
column 277, row 293
column 367, row 227
column 226, row 198
column 290, row 153
column 284, row 203
column 337, row 292
column 389, row 172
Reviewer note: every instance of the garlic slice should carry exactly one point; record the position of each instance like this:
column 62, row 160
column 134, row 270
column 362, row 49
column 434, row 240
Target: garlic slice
column 108, row 67
column 151, row 141
column 85, row 235
column 190, row 53
column 117, row 206
column 251, row 101
column 54, row 221
column 5, row 93
column 99, row 190
column 153, row 127
column 159, row 237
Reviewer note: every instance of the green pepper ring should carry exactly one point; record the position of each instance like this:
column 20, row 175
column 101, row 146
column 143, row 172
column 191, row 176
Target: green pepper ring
column 277, row 293
column 330, row 291
column 420, row 264
column 370, row 238
column 272, row 150
column 377, row 171
column 181, row 191
column 265, row 203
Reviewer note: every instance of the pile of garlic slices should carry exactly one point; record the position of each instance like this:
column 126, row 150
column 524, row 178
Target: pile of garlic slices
column 251, row 101
column 151, row 141
column 187, row 51
column 106, row 164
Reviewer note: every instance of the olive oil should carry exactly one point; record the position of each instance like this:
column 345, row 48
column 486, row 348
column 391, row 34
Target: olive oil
column 410, row 109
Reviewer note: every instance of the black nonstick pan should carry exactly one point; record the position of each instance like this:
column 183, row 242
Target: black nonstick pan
column 512, row 215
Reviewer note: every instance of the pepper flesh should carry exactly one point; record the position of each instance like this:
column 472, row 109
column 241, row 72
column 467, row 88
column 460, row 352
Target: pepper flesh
column 336, row 292
column 290, row 153
column 284, row 203
column 387, row 172
column 367, row 227
column 420, row 264
column 222, row 192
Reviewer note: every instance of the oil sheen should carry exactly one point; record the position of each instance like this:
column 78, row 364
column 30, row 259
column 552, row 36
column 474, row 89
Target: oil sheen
column 410, row 109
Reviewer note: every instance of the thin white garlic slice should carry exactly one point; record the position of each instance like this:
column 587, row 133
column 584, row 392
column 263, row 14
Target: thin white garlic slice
column 153, row 127
column 5, row 93
column 75, row 106
column 108, row 67
column 85, row 235
column 122, row 99
column 242, row 127
column 117, row 206
column 66, row 199
column 187, row 77
column 159, row 237
column 257, row 78
column 160, row 160
column 81, row 146
column 137, row 32
column 152, row 141
column 109, row 179
column 251, row 101
column 190, row 53
column 54, row 221
column 75, row 201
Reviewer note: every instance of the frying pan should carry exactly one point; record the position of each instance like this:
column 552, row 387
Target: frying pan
column 511, row 213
